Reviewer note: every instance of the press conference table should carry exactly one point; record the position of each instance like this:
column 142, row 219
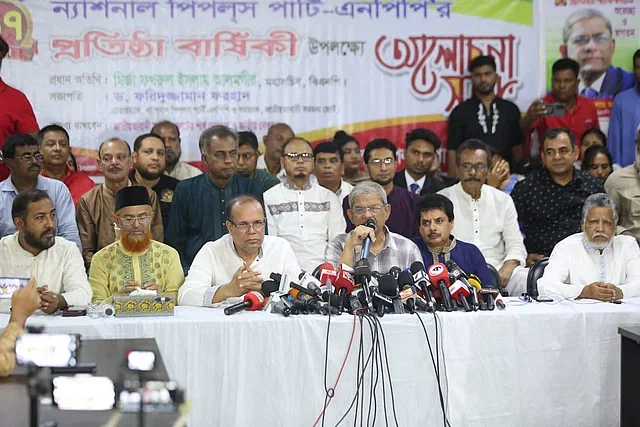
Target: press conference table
column 529, row 365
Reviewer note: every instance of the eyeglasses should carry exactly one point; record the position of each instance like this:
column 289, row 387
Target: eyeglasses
column 597, row 38
column 31, row 158
column 378, row 162
column 480, row 167
column 109, row 159
column 306, row 157
column 222, row 155
column 130, row 220
column 245, row 226
column 361, row 210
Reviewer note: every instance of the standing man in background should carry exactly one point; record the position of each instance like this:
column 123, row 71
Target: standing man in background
column 170, row 135
column 275, row 138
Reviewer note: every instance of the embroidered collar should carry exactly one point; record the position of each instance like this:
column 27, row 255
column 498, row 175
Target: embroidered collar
column 445, row 250
column 482, row 117
column 590, row 249
column 292, row 187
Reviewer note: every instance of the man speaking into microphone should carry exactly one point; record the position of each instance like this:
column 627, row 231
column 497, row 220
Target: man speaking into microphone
column 368, row 201
column 225, row 270
column 437, row 245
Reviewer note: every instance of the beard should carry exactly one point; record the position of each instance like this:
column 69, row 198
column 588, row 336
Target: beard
column 171, row 157
column 596, row 245
column 136, row 245
column 149, row 176
column 383, row 183
column 39, row 242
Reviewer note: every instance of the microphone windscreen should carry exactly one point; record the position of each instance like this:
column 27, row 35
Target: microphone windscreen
column 395, row 272
column 269, row 287
column 371, row 223
column 405, row 278
column 438, row 272
column 416, row 267
column 256, row 298
column 388, row 285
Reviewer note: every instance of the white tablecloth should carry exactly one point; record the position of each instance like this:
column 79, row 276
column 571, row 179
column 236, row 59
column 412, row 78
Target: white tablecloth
column 531, row 365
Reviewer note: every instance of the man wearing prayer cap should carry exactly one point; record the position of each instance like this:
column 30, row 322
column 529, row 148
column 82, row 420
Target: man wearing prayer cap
column 134, row 261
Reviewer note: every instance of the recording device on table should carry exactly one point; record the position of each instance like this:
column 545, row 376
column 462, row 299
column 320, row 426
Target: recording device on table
column 554, row 109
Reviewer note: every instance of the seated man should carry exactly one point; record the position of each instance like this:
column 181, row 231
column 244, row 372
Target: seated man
column 436, row 243
column 224, row 270
column 22, row 157
column 487, row 216
column 329, row 164
column 36, row 251
column 594, row 264
column 367, row 200
column 624, row 188
column 135, row 261
column 23, row 303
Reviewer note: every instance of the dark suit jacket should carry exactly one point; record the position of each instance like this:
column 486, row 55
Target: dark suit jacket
column 431, row 184
column 615, row 80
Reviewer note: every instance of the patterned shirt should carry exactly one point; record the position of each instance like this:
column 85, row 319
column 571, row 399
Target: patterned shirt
column 308, row 219
column 549, row 212
column 398, row 251
column 623, row 186
column 113, row 267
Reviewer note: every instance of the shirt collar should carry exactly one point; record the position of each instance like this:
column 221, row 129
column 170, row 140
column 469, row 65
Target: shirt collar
column 233, row 248
column 546, row 175
column 67, row 173
column 109, row 192
column 8, row 186
column 291, row 187
column 466, row 195
column 597, row 85
column 590, row 249
column 410, row 180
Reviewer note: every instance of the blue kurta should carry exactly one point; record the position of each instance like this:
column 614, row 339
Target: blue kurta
column 623, row 126
column 198, row 213
column 466, row 255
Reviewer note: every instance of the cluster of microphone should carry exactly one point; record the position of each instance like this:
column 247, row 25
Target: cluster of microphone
column 358, row 290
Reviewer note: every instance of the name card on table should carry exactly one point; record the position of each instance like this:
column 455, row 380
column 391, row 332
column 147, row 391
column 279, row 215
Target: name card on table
column 143, row 305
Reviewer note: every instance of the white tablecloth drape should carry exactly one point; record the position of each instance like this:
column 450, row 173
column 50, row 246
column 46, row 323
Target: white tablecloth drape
column 529, row 365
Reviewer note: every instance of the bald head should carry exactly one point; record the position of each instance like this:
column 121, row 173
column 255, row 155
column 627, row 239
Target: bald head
column 275, row 138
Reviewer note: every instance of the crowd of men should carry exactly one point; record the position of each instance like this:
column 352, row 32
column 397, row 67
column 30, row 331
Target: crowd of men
column 207, row 237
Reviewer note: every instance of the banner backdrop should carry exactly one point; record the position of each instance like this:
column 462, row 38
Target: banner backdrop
column 602, row 36
column 374, row 68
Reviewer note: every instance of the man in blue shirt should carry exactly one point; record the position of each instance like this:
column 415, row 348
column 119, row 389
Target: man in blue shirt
column 436, row 243
column 198, row 210
column 625, row 118
column 22, row 157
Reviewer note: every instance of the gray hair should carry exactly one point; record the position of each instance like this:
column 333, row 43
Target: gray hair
column 217, row 131
column 579, row 15
column 366, row 188
column 599, row 200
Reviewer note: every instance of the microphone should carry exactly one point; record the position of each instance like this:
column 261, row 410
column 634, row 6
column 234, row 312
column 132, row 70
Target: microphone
column 282, row 308
column 312, row 284
column 366, row 245
column 389, row 286
column 395, row 272
column 439, row 275
column 460, row 292
column 459, row 274
column 326, row 271
column 476, row 288
column 408, row 294
column 252, row 301
column 495, row 296
column 420, row 279
column 344, row 286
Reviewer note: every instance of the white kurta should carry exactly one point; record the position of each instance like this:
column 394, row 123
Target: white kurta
column 216, row 263
column 573, row 265
column 308, row 219
column 60, row 267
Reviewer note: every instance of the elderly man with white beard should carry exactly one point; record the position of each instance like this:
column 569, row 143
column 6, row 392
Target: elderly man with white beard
column 623, row 186
column 595, row 264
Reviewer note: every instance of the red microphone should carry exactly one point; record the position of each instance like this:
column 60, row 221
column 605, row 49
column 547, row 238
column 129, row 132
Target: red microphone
column 439, row 275
column 327, row 272
column 252, row 301
column 460, row 292
column 344, row 286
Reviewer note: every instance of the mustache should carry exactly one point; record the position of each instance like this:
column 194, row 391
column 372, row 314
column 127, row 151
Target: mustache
column 472, row 179
column 48, row 230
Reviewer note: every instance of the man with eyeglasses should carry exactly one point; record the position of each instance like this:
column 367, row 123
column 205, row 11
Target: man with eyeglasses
column 302, row 212
column 420, row 154
column 368, row 200
column 22, row 157
column 198, row 213
column 380, row 158
column 35, row 252
column 487, row 217
column 549, row 202
column 625, row 117
column 623, row 186
column 53, row 141
column 96, row 207
column 248, row 158
column 135, row 260
column 149, row 158
column 580, row 114
column 16, row 113
column 588, row 39
column 225, row 270
column 170, row 134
